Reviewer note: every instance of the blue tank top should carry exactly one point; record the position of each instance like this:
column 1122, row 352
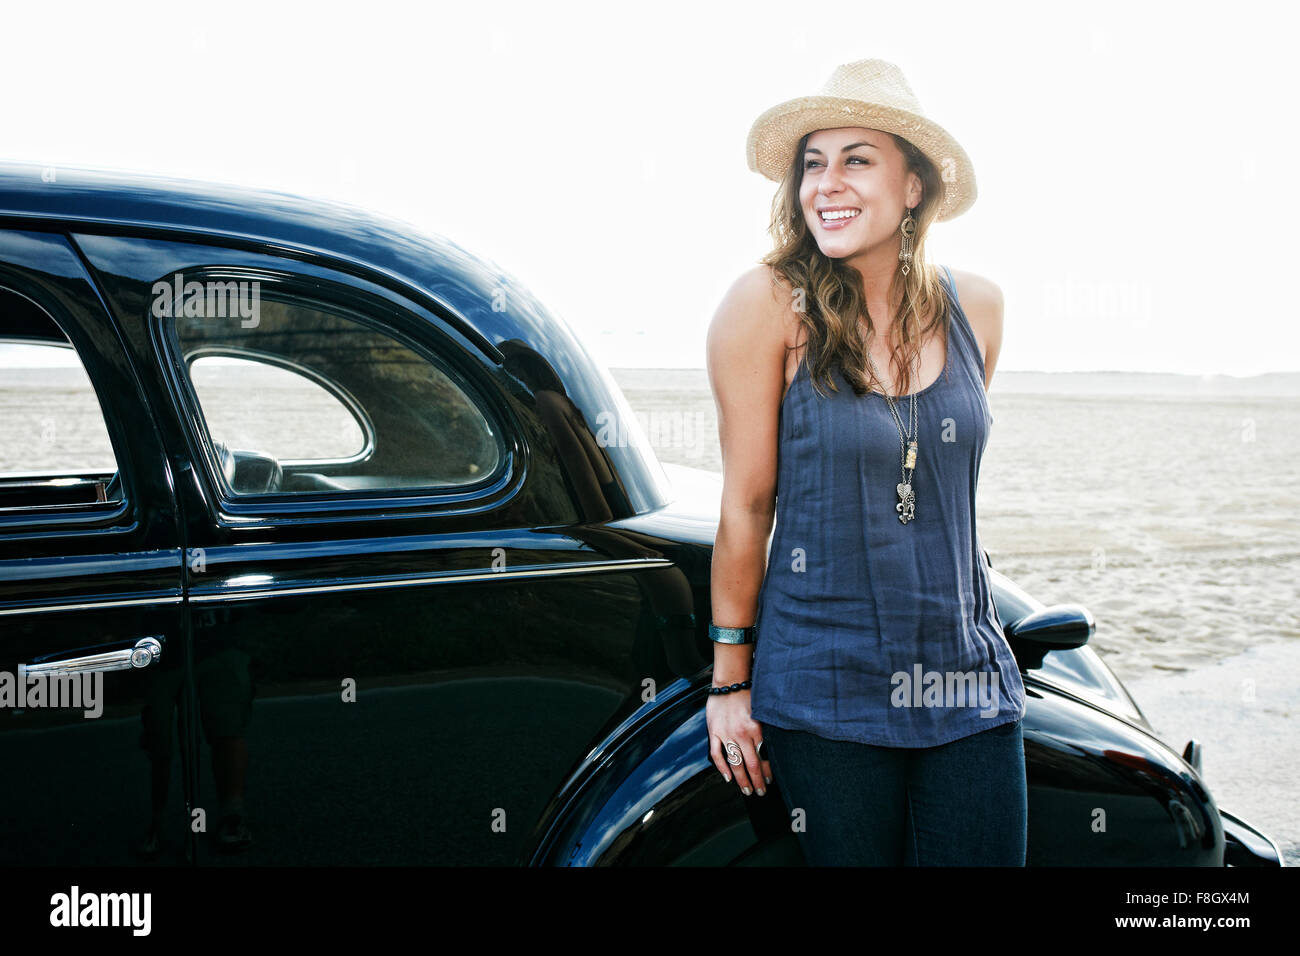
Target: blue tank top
column 869, row 629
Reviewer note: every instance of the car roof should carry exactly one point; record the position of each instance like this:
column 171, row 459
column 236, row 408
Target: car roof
column 72, row 199
column 102, row 199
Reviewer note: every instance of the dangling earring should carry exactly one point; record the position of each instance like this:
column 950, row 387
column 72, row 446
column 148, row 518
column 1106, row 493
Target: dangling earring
column 905, row 253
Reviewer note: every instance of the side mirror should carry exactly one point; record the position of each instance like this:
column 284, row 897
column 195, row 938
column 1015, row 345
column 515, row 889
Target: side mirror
column 1061, row 627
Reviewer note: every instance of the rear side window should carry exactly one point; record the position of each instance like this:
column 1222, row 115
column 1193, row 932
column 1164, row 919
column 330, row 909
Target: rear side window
column 54, row 446
column 253, row 403
column 300, row 396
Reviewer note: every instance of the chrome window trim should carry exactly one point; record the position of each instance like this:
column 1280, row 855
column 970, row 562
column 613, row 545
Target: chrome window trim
column 93, row 605
column 449, row 577
column 47, row 343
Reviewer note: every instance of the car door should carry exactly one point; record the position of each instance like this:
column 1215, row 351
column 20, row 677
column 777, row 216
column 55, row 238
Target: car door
column 93, row 734
column 401, row 644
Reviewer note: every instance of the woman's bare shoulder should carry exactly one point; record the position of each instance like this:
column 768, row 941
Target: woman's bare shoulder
column 747, row 343
column 758, row 302
column 982, row 301
column 975, row 292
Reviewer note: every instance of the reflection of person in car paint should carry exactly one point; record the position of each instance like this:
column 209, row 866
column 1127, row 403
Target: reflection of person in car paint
column 586, row 464
column 224, row 690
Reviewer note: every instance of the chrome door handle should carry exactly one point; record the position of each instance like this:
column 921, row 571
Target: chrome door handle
column 143, row 653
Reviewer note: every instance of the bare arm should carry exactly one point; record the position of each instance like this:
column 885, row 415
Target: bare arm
column 746, row 365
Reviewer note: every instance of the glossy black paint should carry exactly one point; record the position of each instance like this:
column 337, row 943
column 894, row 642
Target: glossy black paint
column 64, row 799
column 530, row 657
column 523, row 338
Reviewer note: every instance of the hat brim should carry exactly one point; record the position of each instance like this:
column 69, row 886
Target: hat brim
column 772, row 140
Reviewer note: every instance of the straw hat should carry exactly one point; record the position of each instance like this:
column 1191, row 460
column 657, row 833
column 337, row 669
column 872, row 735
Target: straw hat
column 872, row 94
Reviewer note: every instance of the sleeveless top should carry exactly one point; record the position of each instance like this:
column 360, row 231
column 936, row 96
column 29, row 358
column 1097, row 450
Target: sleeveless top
column 869, row 629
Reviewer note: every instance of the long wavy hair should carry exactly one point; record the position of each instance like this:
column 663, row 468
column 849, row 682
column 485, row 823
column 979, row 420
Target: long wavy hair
column 833, row 298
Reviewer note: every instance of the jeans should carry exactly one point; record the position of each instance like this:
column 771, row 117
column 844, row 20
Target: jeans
column 963, row 803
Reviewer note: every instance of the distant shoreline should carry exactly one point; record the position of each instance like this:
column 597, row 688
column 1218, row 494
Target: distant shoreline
column 1265, row 385
column 1005, row 381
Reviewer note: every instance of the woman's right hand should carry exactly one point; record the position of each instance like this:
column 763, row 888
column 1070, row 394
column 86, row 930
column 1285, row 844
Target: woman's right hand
column 728, row 720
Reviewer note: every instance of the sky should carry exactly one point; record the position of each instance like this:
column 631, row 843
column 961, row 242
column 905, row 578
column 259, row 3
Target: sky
column 1135, row 160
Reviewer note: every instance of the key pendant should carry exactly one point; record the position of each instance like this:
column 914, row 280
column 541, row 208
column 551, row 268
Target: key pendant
column 906, row 502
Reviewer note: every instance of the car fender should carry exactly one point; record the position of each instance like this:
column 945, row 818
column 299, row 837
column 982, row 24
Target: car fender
column 653, row 797
column 1101, row 792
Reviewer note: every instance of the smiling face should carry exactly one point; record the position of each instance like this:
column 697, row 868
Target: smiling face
column 855, row 191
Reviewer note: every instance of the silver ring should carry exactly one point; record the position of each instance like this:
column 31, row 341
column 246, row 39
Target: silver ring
column 759, row 749
column 733, row 754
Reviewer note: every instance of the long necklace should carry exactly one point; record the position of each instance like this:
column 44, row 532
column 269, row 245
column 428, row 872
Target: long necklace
column 906, row 506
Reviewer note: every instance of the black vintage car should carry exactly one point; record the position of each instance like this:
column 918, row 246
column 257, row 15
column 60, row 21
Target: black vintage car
column 375, row 566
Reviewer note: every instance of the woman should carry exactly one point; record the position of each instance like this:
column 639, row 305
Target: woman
column 862, row 661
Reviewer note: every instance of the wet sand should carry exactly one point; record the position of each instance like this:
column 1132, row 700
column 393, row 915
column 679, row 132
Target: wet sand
column 1243, row 710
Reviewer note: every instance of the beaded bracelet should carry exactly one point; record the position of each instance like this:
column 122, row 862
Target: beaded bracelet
column 725, row 689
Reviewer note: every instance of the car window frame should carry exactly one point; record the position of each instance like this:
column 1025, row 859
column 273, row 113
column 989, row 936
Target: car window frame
column 364, row 307
column 90, row 514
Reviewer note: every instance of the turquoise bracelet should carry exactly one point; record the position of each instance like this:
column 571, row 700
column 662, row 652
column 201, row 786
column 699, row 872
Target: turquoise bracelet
column 733, row 635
